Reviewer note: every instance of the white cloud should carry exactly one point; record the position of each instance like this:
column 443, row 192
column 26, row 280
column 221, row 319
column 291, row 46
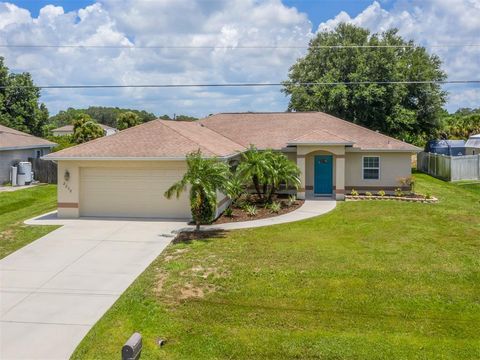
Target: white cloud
column 156, row 23
column 431, row 23
column 225, row 23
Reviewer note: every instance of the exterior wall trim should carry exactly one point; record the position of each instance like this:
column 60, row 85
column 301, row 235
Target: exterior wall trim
column 67, row 205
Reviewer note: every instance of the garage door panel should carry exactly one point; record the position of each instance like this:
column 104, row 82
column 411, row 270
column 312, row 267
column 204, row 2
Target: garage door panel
column 117, row 192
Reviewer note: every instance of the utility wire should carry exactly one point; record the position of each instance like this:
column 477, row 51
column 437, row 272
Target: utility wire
column 441, row 82
column 233, row 47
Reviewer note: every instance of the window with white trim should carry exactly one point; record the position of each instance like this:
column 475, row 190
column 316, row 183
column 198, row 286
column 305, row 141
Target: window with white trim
column 371, row 167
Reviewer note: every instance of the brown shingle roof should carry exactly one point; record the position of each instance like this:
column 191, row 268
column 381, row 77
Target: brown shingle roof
column 226, row 134
column 14, row 139
column 277, row 130
column 320, row 137
column 154, row 139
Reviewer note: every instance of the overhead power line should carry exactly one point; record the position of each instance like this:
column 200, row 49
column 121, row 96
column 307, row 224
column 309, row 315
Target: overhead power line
column 231, row 47
column 246, row 84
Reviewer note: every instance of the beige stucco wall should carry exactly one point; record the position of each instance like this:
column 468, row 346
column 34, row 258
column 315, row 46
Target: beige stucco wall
column 347, row 169
column 392, row 167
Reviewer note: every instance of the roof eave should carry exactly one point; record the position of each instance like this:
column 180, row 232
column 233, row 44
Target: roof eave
column 127, row 158
column 416, row 150
column 26, row 147
column 319, row 143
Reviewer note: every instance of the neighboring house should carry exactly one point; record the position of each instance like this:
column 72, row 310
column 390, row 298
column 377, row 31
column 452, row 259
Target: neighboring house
column 68, row 130
column 473, row 145
column 18, row 146
column 126, row 175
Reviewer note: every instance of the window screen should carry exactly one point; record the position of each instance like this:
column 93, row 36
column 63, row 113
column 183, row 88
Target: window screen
column 371, row 168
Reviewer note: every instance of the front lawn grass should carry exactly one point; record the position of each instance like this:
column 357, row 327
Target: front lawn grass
column 18, row 206
column 370, row 280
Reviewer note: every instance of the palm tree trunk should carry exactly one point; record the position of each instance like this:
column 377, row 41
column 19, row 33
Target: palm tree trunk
column 270, row 195
column 257, row 185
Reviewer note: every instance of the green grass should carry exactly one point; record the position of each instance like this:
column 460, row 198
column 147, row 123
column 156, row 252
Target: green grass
column 370, row 280
column 473, row 186
column 20, row 205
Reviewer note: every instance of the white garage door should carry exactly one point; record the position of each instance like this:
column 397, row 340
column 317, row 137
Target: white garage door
column 125, row 192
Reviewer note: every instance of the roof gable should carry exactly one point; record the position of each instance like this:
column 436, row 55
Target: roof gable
column 156, row 139
column 14, row 139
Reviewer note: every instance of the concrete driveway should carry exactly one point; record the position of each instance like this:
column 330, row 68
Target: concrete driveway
column 53, row 290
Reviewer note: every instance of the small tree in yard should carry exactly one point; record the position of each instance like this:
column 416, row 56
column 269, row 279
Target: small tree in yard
column 127, row 120
column 234, row 187
column 205, row 177
column 86, row 129
column 267, row 170
column 254, row 166
column 281, row 171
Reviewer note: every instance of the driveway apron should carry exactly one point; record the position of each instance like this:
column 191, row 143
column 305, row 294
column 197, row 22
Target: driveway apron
column 53, row 290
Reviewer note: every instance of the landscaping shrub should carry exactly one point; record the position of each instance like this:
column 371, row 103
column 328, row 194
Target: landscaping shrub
column 275, row 207
column 381, row 193
column 251, row 210
column 354, row 192
column 292, row 199
column 228, row 212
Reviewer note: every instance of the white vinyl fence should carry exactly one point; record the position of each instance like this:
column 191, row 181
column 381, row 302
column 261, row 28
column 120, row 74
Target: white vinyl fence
column 450, row 168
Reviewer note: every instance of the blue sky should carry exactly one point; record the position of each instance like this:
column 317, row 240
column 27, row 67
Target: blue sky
column 217, row 22
column 317, row 10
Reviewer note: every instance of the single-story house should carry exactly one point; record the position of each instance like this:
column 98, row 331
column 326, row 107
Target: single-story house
column 68, row 130
column 16, row 146
column 126, row 175
column 472, row 145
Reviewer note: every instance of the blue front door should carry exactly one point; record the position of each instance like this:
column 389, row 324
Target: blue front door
column 323, row 183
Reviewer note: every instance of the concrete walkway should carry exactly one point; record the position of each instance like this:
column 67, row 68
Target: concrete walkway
column 311, row 208
column 55, row 289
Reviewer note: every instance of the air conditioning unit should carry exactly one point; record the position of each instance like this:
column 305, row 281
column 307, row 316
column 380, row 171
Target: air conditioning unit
column 25, row 172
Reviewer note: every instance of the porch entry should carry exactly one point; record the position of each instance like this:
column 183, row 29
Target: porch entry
column 323, row 182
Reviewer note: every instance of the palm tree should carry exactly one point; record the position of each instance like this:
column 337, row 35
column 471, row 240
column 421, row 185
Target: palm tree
column 282, row 170
column 234, row 187
column 254, row 166
column 205, row 177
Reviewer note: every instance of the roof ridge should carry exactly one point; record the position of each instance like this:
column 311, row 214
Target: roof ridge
column 226, row 137
column 186, row 137
column 324, row 131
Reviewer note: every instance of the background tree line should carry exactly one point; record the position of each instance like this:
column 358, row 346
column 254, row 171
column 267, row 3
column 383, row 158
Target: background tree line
column 410, row 112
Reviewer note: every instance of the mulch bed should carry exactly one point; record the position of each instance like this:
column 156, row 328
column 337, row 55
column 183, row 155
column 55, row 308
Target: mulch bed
column 262, row 213
column 406, row 197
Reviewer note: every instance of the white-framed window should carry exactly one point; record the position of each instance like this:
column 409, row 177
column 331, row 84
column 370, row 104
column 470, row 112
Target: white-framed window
column 371, row 167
